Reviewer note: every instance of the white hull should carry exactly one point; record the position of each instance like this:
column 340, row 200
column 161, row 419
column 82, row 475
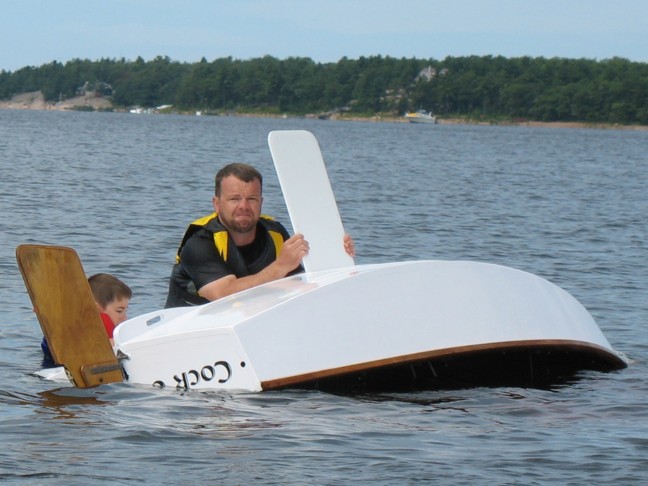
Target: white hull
column 335, row 322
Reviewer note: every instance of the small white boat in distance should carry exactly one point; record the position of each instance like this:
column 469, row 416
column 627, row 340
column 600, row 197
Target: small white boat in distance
column 421, row 117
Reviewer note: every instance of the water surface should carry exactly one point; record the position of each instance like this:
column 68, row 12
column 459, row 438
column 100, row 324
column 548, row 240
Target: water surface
column 567, row 204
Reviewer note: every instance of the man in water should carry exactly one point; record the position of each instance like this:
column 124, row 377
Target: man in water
column 236, row 247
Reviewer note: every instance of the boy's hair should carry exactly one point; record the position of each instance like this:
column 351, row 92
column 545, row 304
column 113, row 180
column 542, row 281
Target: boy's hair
column 243, row 172
column 107, row 288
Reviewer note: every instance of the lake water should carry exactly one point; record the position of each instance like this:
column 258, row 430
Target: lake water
column 568, row 204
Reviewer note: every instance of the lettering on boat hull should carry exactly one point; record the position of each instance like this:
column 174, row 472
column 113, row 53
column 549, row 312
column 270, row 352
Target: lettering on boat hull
column 186, row 380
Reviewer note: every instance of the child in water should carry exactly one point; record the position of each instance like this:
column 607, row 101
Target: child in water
column 111, row 297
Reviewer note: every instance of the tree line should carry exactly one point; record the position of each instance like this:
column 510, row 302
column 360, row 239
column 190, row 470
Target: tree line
column 477, row 87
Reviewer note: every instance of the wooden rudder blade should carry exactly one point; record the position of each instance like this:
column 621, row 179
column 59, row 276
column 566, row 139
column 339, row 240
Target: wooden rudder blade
column 63, row 302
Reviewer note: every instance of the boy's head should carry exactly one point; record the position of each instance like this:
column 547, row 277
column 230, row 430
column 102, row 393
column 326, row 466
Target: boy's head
column 111, row 296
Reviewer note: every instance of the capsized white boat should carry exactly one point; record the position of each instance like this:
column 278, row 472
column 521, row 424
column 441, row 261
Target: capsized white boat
column 393, row 325
column 338, row 326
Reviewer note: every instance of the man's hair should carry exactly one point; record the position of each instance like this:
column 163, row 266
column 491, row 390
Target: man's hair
column 243, row 172
column 107, row 288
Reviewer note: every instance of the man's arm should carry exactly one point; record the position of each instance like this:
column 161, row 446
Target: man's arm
column 294, row 250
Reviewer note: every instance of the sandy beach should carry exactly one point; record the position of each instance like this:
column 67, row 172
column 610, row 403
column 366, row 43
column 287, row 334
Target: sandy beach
column 36, row 101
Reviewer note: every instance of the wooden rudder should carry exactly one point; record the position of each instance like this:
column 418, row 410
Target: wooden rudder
column 63, row 302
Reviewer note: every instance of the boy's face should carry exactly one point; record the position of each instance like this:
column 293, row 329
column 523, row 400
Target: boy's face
column 116, row 310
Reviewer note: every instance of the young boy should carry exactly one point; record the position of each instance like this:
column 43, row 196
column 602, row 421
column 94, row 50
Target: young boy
column 111, row 297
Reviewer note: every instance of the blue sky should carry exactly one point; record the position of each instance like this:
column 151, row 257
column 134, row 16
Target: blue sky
column 35, row 32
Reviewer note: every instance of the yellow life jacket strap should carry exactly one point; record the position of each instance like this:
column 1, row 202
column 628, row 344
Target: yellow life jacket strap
column 204, row 220
column 221, row 238
column 278, row 242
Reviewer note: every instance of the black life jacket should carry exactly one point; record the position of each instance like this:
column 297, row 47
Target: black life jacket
column 182, row 291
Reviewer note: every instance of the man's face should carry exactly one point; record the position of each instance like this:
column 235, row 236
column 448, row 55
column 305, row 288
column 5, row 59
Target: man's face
column 239, row 204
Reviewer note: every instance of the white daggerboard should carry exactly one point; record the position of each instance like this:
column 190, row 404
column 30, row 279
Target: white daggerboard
column 309, row 198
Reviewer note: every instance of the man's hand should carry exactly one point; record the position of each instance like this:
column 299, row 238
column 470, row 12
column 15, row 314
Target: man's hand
column 292, row 253
column 349, row 245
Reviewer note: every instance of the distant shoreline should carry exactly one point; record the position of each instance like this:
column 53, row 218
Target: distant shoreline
column 529, row 123
column 35, row 101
